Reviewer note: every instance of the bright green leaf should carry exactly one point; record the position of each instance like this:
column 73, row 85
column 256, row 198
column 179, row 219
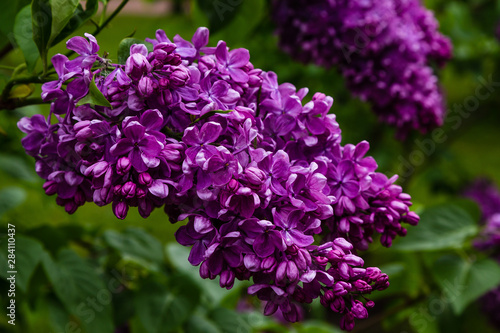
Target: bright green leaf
column 136, row 243
column 62, row 12
column 80, row 16
column 11, row 197
column 80, row 289
column 124, row 48
column 440, row 227
column 94, row 97
column 462, row 281
column 23, row 33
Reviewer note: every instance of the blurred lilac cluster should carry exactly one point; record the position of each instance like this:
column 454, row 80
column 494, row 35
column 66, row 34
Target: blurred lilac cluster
column 383, row 48
column 487, row 196
column 255, row 170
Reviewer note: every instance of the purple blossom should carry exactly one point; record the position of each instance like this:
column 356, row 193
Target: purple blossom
column 384, row 49
column 484, row 192
column 258, row 173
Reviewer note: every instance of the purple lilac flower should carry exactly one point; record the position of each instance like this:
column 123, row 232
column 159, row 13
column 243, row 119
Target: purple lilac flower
column 487, row 196
column 383, row 48
column 258, row 173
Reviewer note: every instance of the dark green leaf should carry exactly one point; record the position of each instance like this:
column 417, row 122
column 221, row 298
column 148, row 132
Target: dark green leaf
column 316, row 326
column 28, row 255
column 9, row 11
column 124, row 48
column 136, row 243
column 59, row 317
column 219, row 13
column 162, row 309
column 11, row 197
column 199, row 324
column 16, row 167
column 463, row 281
column 440, row 227
column 80, row 16
column 178, row 256
column 80, row 289
column 229, row 321
column 209, row 114
column 94, row 97
column 41, row 15
column 62, row 12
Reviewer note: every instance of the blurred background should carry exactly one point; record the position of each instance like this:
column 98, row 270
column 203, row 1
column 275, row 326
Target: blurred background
column 107, row 275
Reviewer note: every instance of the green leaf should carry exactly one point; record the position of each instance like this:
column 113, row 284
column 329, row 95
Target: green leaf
column 219, row 13
column 317, row 326
column 229, row 321
column 41, row 18
column 62, row 12
column 80, row 16
column 164, row 309
column 199, row 324
column 178, row 257
column 440, row 227
column 94, row 96
column 28, row 255
column 58, row 315
column 80, row 289
column 9, row 11
column 462, row 281
column 136, row 243
column 124, row 48
column 11, row 197
column 16, row 167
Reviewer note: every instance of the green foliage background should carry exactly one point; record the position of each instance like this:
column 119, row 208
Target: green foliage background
column 134, row 272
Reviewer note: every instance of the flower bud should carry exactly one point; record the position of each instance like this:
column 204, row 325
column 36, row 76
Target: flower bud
column 70, row 207
column 128, row 190
column 226, row 279
column 145, row 179
column 123, row 165
column 412, row 218
column 255, row 176
column 338, row 304
column 50, row 187
column 120, row 209
column 179, row 77
column 145, row 86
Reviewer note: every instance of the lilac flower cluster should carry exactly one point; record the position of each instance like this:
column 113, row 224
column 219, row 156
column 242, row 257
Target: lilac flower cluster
column 383, row 49
column 256, row 170
column 487, row 196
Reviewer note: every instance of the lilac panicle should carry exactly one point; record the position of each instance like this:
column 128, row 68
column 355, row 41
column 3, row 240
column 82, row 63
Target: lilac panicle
column 383, row 48
column 255, row 169
column 487, row 196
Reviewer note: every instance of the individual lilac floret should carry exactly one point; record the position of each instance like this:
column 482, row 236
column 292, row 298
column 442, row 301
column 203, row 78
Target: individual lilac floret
column 258, row 173
column 383, row 48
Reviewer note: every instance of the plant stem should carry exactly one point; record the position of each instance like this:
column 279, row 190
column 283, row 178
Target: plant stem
column 14, row 104
column 10, row 68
